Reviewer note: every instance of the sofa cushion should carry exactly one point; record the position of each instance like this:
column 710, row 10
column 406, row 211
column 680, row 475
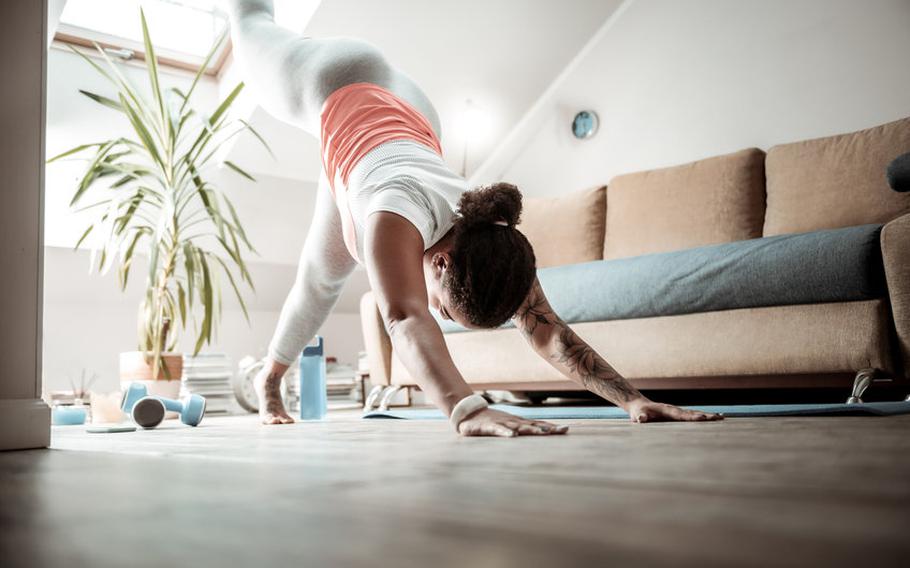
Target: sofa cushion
column 567, row 229
column 716, row 200
column 836, row 181
column 825, row 266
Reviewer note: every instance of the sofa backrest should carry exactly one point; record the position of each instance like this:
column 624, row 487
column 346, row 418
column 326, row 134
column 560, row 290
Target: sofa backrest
column 837, row 181
column 565, row 230
column 716, row 200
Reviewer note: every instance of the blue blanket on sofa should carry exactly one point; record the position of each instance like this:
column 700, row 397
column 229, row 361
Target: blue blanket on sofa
column 837, row 265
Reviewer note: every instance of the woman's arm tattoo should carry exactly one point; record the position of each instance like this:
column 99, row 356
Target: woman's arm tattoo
column 535, row 311
column 594, row 372
column 579, row 360
column 272, row 389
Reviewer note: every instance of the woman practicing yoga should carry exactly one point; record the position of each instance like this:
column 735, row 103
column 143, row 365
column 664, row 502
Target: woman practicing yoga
column 387, row 200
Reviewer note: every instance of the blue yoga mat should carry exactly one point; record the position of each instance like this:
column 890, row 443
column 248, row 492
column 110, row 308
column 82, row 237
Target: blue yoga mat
column 612, row 412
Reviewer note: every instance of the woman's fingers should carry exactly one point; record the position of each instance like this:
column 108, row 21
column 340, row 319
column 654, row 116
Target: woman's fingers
column 504, row 431
column 696, row 415
column 496, row 423
column 659, row 412
column 530, row 429
column 539, row 428
column 550, row 428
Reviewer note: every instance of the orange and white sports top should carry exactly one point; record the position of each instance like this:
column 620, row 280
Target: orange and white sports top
column 379, row 153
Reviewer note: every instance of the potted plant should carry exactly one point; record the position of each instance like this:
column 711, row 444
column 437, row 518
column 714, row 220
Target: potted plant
column 153, row 195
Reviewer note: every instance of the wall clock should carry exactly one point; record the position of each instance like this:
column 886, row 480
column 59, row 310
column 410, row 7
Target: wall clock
column 585, row 124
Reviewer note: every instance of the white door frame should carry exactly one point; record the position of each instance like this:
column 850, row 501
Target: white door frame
column 24, row 417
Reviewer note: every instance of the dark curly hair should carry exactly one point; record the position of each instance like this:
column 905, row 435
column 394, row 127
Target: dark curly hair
column 493, row 265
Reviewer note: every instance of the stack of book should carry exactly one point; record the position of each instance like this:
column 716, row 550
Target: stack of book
column 340, row 381
column 210, row 375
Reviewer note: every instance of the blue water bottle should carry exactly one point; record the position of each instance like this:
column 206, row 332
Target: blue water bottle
column 313, row 396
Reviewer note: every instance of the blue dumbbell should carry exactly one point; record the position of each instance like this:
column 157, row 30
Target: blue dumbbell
column 191, row 408
column 131, row 395
column 149, row 411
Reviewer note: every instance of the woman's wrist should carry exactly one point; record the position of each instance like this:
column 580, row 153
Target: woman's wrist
column 452, row 398
column 467, row 407
column 635, row 402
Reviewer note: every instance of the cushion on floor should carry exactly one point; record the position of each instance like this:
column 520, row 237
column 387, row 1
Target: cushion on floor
column 838, row 265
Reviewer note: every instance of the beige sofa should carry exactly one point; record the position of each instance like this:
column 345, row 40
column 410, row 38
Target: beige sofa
column 825, row 183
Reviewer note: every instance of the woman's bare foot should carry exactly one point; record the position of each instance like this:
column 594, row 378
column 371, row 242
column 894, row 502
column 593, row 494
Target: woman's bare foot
column 268, row 389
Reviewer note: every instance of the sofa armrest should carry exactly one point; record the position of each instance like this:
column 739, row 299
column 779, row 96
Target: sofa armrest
column 896, row 257
column 376, row 340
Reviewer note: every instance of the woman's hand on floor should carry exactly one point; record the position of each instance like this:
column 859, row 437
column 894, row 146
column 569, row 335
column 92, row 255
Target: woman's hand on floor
column 268, row 389
column 644, row 410
column 489, row 422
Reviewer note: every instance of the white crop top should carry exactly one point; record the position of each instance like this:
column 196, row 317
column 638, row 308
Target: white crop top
column 409, row 179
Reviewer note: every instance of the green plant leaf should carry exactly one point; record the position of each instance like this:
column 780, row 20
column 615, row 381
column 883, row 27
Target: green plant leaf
column 123, row 181
column 142, row 132
column 84, row 235
column 121, row 222
column 153, row 259
column 202, row 69
column 92, row 206
column 181, row 297
column 75, row 150
column 127, row 258
column 208, row 296
column 237, row 224
column 92, row 172
column 122, row 83
column 225, row 104
column 237, row 169
column 151, row 63
column 255, row 133
column 189, row 261
column 111, row 103
column 237, row 293
column 97, row 67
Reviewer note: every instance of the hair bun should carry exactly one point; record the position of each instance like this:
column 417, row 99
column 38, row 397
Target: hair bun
column 497, row 203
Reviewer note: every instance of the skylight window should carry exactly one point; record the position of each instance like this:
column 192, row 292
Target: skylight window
column 183, row 30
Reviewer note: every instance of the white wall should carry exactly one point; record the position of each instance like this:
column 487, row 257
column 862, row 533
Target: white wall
column 87, row 320
column 679, row 81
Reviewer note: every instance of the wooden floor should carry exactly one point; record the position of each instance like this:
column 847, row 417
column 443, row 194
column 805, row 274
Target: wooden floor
column 744, row 492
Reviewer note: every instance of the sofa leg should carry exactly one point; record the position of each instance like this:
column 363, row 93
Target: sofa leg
column 387, row 396
column 862, row 381
column 371, row 399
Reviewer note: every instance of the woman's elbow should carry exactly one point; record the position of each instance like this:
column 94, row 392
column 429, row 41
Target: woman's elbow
column 399, row 315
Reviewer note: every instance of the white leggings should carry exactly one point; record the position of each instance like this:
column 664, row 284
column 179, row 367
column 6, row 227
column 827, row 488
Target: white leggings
column 292, row 76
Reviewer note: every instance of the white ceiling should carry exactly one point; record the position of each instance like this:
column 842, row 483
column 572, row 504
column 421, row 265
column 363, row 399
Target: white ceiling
column 501, row 54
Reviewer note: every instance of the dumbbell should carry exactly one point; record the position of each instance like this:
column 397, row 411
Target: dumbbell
column 149, row 411
column 191, row 408
column 131, row 395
